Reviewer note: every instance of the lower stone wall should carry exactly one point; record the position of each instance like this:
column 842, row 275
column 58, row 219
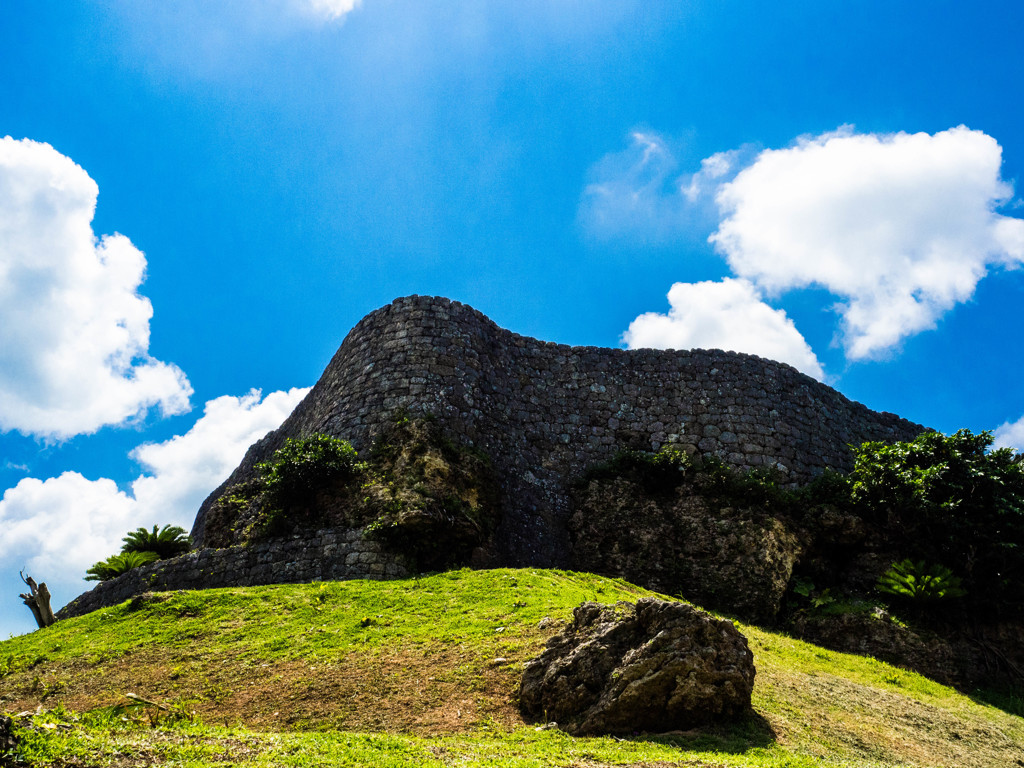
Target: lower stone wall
column 326, row 555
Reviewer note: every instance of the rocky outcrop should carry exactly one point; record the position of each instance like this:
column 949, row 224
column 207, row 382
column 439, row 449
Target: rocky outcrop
column 651, row 667
column 729, row 558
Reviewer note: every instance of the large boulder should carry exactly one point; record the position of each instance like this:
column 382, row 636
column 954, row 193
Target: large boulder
column 654, row 666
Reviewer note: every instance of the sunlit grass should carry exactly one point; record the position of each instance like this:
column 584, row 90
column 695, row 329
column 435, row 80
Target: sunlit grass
column 424, row 672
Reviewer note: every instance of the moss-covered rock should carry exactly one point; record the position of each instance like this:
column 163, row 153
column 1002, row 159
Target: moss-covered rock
column 732, row 558
column 428, row 497
column 654, row 666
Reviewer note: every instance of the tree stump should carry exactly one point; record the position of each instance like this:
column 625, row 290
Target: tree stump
column 38, row 601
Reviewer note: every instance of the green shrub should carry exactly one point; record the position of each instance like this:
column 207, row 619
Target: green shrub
column 948, row 499
column 661, row 470
column 831, row 488
column 302, row 467
column 115, row 565
column 169, row 541
column 751, row 488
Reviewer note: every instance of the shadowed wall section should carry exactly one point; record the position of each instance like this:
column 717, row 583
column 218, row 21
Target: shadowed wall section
column 544, row 412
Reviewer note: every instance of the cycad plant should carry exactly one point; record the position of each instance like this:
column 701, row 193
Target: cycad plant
column 140, row 548
column 120, row 563
column 169, row 541
column 920, row 582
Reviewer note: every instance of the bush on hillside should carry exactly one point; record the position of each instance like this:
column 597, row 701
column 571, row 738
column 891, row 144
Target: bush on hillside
column 950, row 500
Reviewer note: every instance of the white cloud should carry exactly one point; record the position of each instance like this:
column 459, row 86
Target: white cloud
column 712, row 173
column 328, row 9
column 59, row 527
column 182, row 471
column 639, row 193
column 901, row 227
column 74, row 331
column 627, row 192
column 1010, row 435
column 726, row 315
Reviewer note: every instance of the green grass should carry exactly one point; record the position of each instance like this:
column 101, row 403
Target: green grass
column 198, row 745
column 424, row 672
column 322, row 620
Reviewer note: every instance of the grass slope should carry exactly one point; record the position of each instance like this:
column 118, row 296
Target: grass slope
column 424, row 672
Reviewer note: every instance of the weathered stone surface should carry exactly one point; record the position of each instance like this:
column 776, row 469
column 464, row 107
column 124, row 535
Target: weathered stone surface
column 879, row 636
column 654, row 666
column 544, row 412
column 729, row 559
column 982, row 655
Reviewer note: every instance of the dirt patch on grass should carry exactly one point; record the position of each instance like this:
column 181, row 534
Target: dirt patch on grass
column 425, row 691
column 422, row 689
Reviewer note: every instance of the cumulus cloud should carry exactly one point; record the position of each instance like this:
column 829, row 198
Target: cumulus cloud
column 59, row 527
column 901, row 227
column 182, row 471
column 1010, row 435
column 726, row 315
column 74, row 331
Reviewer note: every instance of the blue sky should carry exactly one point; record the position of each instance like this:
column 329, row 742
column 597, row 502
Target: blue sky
column 198, row 200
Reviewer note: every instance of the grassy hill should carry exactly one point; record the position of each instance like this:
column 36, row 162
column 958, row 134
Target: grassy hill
column 423, row 672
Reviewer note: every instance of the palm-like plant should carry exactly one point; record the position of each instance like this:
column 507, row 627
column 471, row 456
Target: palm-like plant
column 920, row 582
column 115, row 565
column 169, row 541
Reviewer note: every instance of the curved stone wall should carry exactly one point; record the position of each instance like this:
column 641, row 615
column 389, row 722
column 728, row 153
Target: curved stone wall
column 544, row 412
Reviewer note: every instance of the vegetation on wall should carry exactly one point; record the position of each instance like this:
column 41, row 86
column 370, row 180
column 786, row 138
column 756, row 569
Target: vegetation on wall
column 665, row 470
column 948, row 510
column 414, row 489
column 301, row 467
column 297, row 473
column 430, row 498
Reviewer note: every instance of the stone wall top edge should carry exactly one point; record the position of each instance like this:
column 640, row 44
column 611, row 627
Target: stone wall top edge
column 417, row 301
column 389, row 313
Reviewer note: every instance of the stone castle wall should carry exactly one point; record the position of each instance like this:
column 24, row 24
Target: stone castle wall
column 321, row 556
column 544, row 412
